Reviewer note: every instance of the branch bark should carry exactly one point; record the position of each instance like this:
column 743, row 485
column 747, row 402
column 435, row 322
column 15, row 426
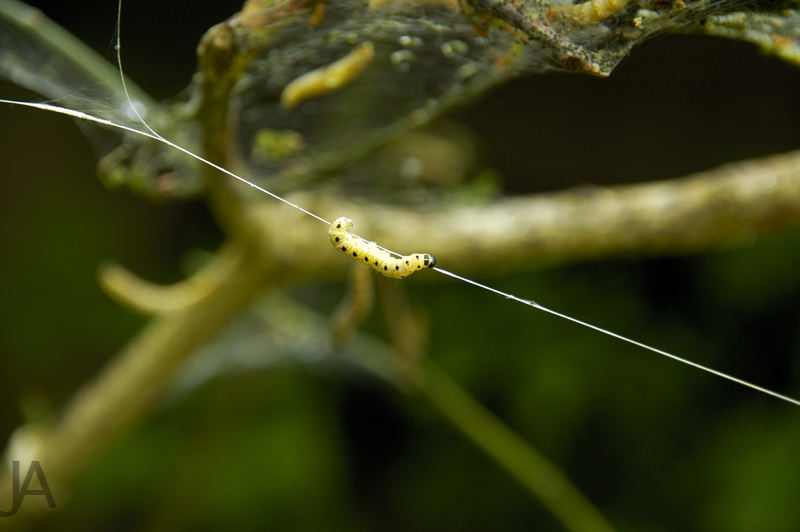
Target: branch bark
column 729, row 205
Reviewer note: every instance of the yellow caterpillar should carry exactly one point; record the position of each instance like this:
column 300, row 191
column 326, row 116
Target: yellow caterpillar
column 328, row 78
column 589, row 12
column 369, row 252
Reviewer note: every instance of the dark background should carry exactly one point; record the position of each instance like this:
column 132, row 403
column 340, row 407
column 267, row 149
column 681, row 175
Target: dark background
column 656, row 445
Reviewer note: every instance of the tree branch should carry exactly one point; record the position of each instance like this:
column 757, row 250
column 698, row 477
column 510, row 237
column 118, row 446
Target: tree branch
column 123, row 393
column 148, row 298
column 728, row 205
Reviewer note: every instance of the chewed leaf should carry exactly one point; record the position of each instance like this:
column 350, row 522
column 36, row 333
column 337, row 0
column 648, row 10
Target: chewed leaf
column 298, row 90
column 328, row 89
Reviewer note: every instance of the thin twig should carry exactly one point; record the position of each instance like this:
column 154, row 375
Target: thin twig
column 148, row 298
column 543, row 479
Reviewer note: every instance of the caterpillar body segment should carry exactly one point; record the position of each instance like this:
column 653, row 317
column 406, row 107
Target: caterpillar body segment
column 590, row 12
column 370, row 253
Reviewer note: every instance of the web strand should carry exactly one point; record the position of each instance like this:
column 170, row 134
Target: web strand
column 118, row 53
column 155, row 136
column 623, row 338
column 152, row 134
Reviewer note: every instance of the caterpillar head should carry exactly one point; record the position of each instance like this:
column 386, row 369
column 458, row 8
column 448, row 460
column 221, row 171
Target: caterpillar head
column 423, row 260
column 342, row 223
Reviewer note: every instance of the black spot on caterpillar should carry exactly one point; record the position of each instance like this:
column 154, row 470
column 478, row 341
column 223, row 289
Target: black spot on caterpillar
column 369, row 252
